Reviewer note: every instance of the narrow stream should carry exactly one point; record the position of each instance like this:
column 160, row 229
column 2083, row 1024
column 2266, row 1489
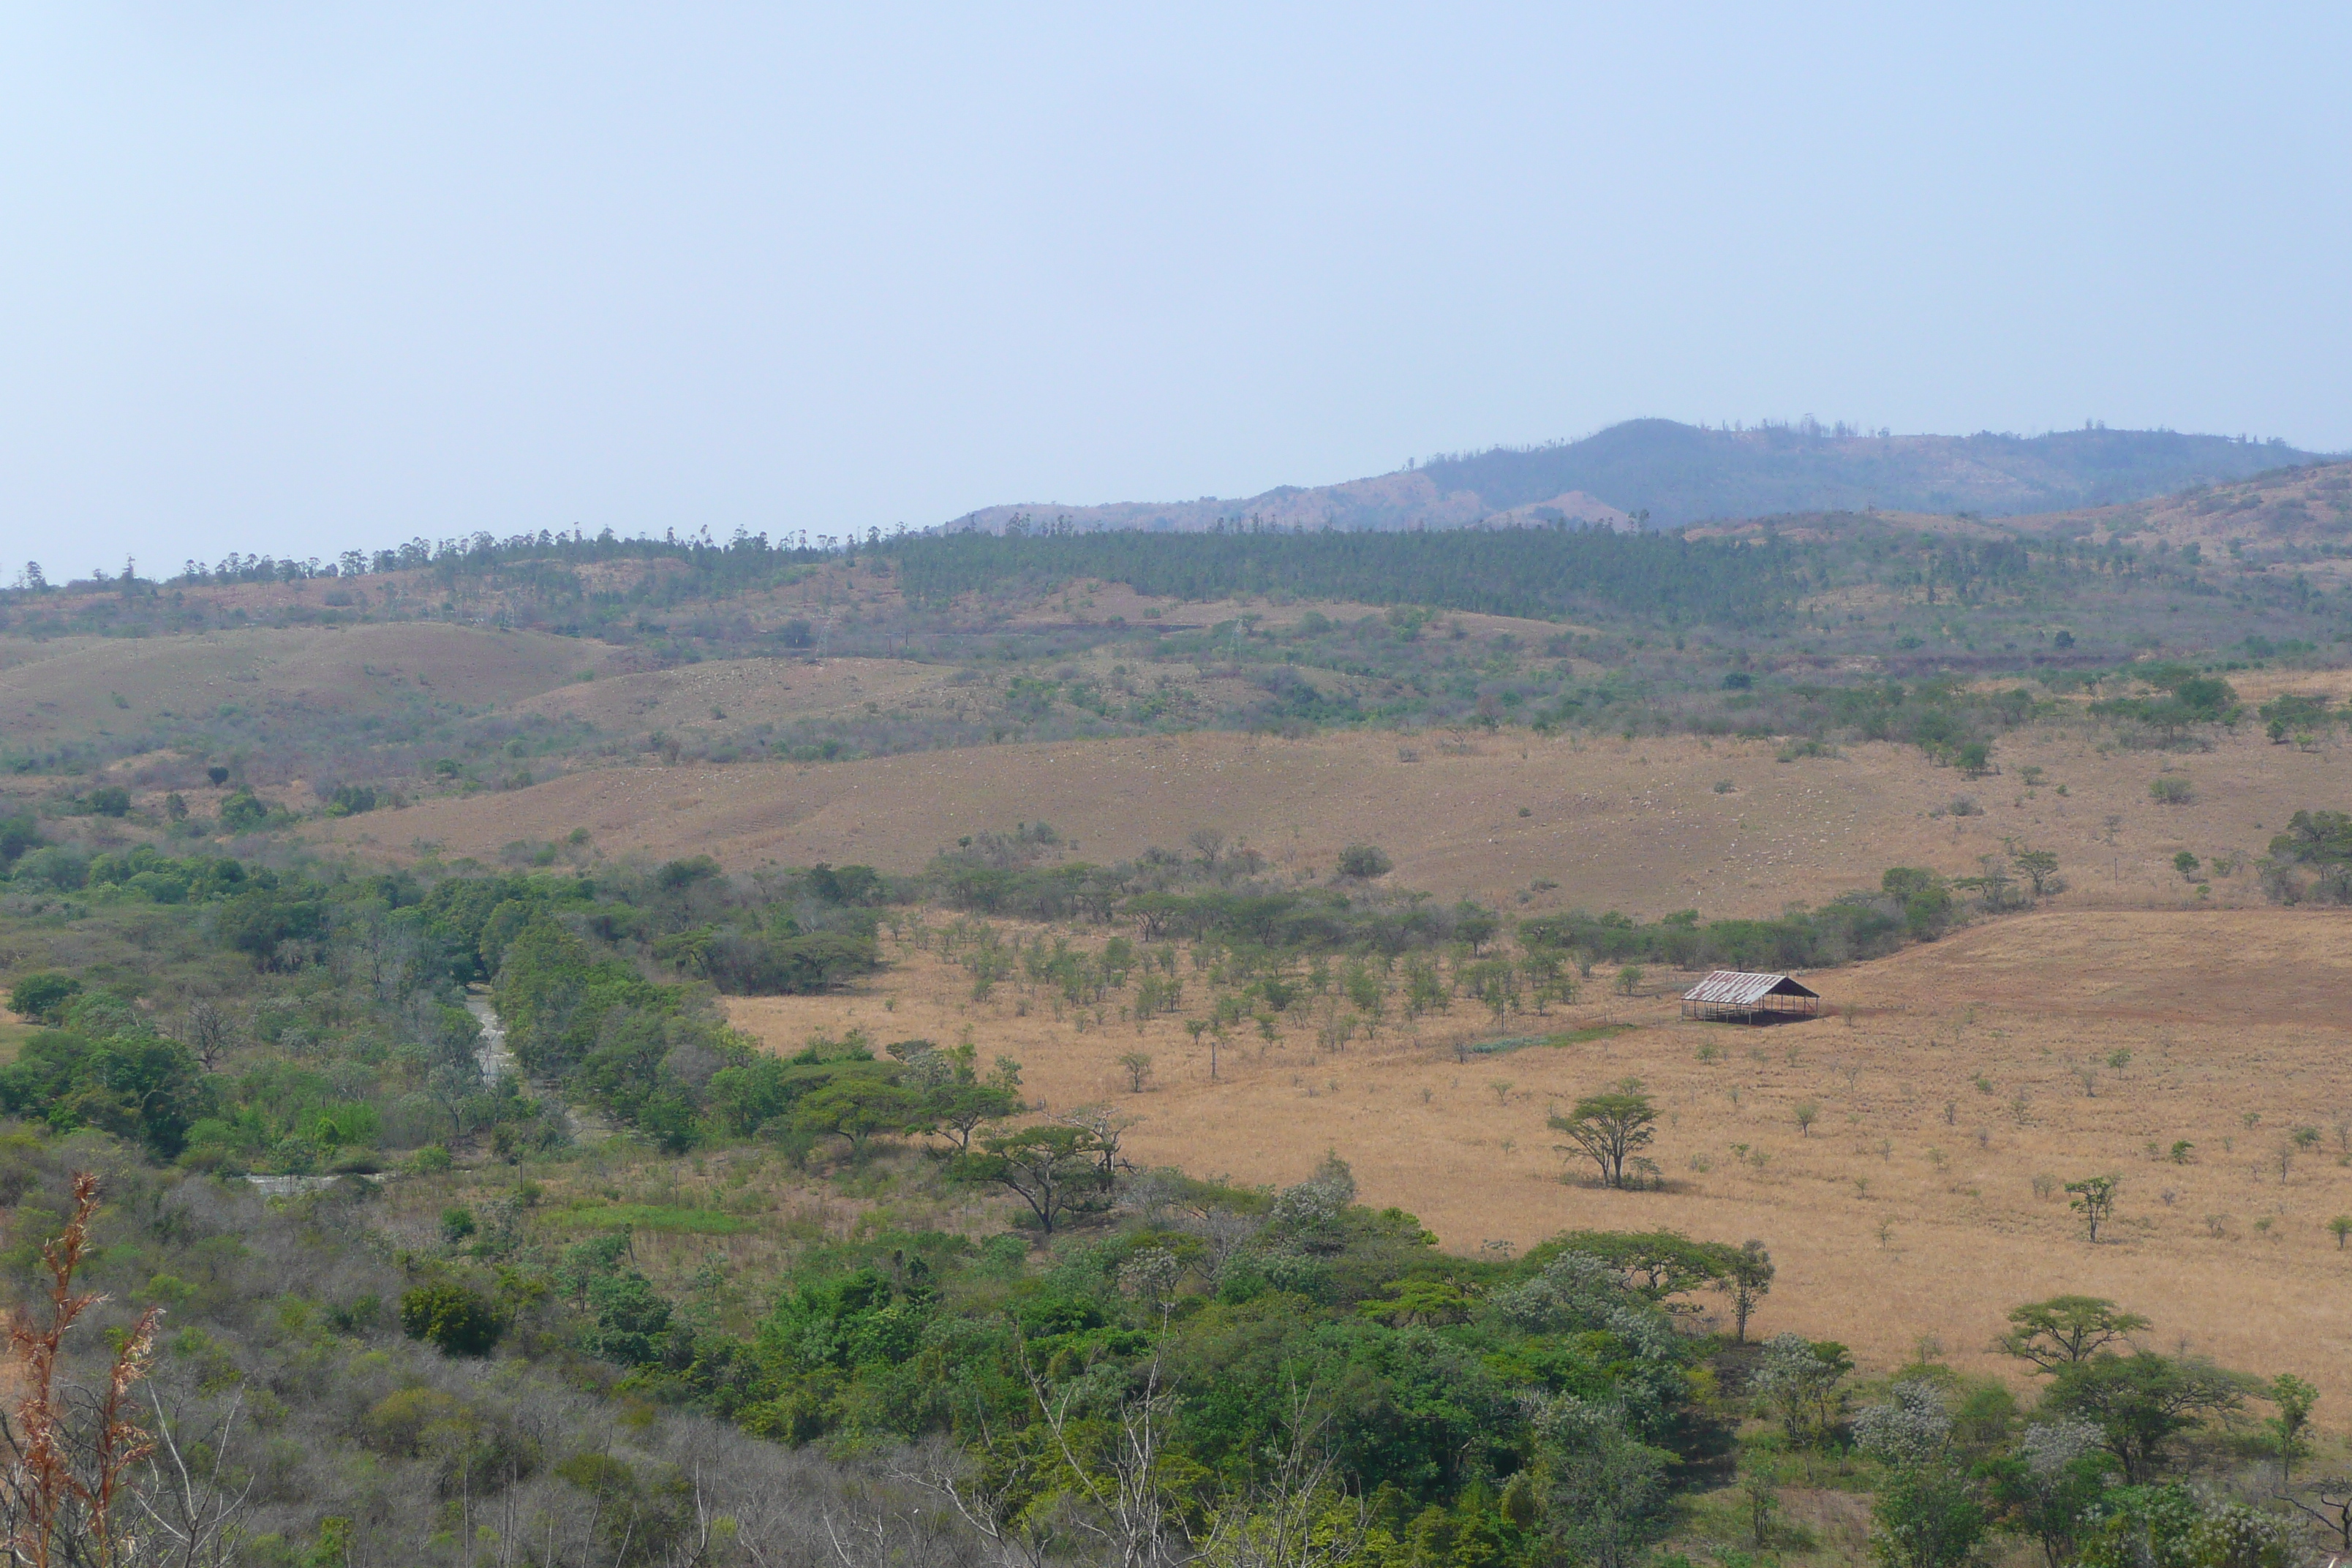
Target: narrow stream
column 497, row 1062
column 490, row 1050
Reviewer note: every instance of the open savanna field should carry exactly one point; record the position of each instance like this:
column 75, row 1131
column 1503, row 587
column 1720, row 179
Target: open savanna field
column 1645, row 825
column 82, row 689
column 1948, row 1105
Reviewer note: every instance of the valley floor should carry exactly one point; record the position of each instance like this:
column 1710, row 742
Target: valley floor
column 1950, row 1105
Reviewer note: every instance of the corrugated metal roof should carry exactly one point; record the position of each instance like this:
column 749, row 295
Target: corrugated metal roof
column 1732, row 988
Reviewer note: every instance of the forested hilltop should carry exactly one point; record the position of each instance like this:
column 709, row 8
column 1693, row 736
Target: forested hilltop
column 1821, row 627
column 1663, row 473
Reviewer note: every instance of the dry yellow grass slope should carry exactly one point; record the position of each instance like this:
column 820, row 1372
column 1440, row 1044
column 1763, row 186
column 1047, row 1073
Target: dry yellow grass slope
column 67, row 687
column 1922, row 1203
column 1638, row 826
column 743, row 690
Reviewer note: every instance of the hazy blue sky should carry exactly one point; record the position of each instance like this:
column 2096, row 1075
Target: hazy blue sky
column 293, row 278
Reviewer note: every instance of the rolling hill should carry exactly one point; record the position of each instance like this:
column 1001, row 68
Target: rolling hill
column 1678, row 473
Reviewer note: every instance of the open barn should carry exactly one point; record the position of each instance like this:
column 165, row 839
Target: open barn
column 1735, row 996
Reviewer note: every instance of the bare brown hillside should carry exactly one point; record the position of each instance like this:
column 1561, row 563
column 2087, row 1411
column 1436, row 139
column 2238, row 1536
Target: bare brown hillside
column 70, row 688
column 741, row 690
column 1639, row 825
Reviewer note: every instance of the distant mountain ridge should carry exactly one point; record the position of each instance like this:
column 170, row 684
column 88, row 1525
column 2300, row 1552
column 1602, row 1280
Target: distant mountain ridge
column 1677, row 474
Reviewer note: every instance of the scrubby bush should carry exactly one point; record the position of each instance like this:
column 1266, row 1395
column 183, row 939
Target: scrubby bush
column 42, row 997
column 451, row 1317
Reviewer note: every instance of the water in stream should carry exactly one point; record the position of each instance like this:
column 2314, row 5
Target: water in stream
column 490, row 1050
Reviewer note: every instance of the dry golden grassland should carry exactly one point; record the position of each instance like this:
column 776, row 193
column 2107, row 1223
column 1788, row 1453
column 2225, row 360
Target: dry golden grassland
column 1950, row 1105
column 1640, row 826
column 743, row 690
column 67, row 689
column 718, row 697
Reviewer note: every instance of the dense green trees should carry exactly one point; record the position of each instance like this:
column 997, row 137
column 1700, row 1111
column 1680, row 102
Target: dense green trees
column 140, row 1086
column 1855, row 926
column 2142, row 1403
column 2180, row 699
column 452, row 1317
column 42, row 995
column 2312, row 858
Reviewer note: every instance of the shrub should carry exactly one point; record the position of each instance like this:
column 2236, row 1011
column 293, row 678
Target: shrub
column 43, row 997
column 244, row 812
column 1927, row 1517
column 1362, row 861
column 141, row 1087
column 451, row 1317
column 17, row 834
column 350, row 800
column 1797, row 1380
column 60, row 865
column 2171, row 790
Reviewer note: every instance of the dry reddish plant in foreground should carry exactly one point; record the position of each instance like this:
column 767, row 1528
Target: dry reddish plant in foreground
column 66, row 1455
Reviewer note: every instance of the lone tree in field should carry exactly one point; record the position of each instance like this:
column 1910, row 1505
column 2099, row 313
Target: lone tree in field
column 1609, row 1128
column 1136, row 1065
column 2094, row 1199
column 2041, row 870
column 2064, row 1329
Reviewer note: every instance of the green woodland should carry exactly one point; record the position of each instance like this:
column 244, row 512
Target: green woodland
column 572, row 1304
column 1761, row 635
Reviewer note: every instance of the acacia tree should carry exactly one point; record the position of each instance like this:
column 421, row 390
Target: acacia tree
column 958, row 1110
column 1798, row 1379
column 2064, row 1329
column 1608, row 1128
column 1661, row 1264
column 2094, row 1199
column 2040, row 868
column 855, row 1108
column 1102, row 1128
column 1052, row 1168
